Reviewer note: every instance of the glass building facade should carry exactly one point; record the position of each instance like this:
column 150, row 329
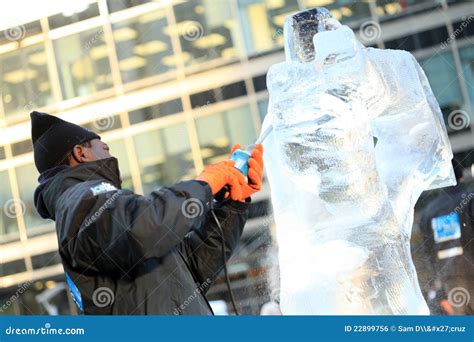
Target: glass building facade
column 171, row 86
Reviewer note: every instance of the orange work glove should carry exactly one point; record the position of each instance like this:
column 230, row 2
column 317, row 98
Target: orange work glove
column 255, row 173
column 224, row 173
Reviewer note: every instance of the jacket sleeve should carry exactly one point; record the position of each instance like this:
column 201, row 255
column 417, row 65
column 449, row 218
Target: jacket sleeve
column 112, row 232
column 202, row 247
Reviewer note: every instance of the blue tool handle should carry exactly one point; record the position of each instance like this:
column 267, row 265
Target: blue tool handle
column 241, row 158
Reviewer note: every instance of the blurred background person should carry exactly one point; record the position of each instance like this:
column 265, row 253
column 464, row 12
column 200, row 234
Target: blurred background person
column 141, row 73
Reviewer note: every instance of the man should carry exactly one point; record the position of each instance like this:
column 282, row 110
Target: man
column 447, row 224
column 128, row 254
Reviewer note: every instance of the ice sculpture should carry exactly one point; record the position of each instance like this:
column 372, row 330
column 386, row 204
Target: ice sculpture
column 357, row 136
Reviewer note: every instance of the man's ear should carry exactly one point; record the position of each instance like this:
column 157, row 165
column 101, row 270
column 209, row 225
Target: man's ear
column 79, row 154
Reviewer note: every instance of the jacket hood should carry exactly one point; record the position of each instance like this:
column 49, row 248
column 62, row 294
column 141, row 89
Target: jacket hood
column 53, row 182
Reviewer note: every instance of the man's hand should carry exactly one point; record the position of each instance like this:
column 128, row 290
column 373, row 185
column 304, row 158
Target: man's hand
column 224, row 173
column 255, row 173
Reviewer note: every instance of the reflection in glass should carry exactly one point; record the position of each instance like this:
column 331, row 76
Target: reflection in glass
column 262, row 22
column 83, row 63
column 346, row 11
column 217, row 133
column 74, row 12
column 144, row 46
column 24, row 80
column 393, row 7
column 119, row 151
column 206, row 30
column 115, row 5
column 467, row 62
column 156, row 111
column 441, row 72
column 8, row 223
column 164, row 157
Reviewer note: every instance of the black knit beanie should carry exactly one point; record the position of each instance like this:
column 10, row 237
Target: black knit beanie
column 53, row 138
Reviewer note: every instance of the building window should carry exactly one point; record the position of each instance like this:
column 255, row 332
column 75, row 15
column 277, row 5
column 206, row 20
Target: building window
column 260, row 83
column 164, row 157
column 143, row 46
column 397, row 7
column 12, row 267
column 262, row 22
column 467, row 62
column 223, row 93
column 115, row 6
column 74, row 12
column 10, row 209
column 441, row 72
column 83, row 63
column 156, row 111
column 464, row 28
column 206, row 31
column 24, row 80
column 419, row 40
column 343, row 10
column 27, row 177
column 218, row 132
column 19, row 31
column 104, row 124
column 22, row 147
column 119, row 150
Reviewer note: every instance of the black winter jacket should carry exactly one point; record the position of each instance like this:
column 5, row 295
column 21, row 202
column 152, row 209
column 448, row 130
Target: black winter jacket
column 128, row 254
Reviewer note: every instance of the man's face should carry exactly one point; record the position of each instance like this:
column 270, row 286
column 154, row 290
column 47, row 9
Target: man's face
column 83, row 154
column 98, row 150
